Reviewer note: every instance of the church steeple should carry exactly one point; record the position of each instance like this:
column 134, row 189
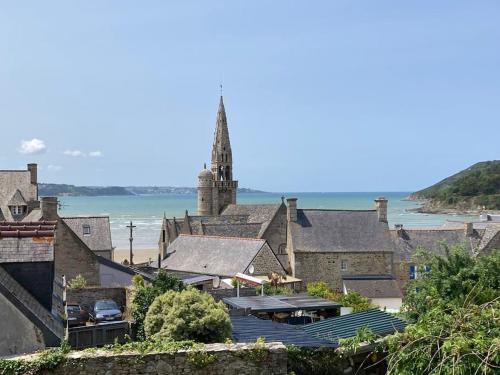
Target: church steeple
column 222, row 158
column 216, row 188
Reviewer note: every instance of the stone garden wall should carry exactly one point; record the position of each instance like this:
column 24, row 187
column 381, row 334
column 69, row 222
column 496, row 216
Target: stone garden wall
column 213, row 359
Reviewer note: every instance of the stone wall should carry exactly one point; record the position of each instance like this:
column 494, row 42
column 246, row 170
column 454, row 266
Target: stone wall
column 316, row 266
column 275, row 234
column 87, row 296
column 17, row 333
column 219, row 294
column 73, row 257
column 229, row 359
column 265, row 262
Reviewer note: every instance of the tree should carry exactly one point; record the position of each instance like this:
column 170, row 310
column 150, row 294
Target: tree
column 451, row 280
column 351, row 299
column 146, row 294
column 453, row 308
column 187, row 315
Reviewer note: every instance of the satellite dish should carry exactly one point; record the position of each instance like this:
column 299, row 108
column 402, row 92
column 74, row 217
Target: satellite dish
column 216, row 282
column 251, row 269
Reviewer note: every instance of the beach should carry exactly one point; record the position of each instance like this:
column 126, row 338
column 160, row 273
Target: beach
column 140, row 255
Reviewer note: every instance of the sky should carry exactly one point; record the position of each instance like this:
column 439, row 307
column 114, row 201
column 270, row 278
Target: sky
column 320, row 96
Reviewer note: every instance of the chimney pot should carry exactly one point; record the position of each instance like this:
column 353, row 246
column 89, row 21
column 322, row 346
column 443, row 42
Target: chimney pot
column 33, row 168
column 381, row 205
column 469, row 229
column 291, row 209
column 49, row 208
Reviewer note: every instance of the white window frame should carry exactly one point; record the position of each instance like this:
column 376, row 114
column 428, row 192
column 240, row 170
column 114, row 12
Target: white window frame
column 17, row 210
column 86, row 226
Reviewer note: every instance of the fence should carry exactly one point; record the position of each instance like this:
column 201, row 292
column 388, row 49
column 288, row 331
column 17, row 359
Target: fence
column 98, row 335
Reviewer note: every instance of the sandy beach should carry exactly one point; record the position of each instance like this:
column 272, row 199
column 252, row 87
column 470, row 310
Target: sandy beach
column 140, row 255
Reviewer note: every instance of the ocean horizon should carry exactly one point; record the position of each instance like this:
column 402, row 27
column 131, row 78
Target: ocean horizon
column 146, row 211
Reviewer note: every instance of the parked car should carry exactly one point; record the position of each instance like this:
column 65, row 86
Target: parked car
column 105, row 310
column 76, row 315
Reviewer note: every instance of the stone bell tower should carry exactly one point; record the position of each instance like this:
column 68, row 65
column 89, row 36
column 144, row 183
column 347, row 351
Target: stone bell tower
column 223, row 188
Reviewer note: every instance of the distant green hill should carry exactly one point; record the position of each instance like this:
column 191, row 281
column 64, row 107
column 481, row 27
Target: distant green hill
column 54, row 190
column 472, row 188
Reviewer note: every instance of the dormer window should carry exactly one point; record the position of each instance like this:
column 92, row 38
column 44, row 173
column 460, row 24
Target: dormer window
column 86, row 230
column 18, row 210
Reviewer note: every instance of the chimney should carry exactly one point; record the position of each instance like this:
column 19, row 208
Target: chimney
column 32, row 168
column 291, row 212
column 469, row 229
column 49, row 208
column 381, row 206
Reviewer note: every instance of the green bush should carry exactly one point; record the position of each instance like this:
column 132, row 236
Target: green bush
column 146, row 294
column 351, row 299
column 318, row 289
column 187, row 315
column 78, row 282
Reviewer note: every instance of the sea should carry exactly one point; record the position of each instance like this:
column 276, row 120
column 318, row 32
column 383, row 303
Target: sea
column 146, row 211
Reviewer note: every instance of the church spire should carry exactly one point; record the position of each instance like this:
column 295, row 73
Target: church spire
column 222, row 158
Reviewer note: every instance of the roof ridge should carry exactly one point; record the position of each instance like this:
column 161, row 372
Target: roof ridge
column 430, row 230
column 335, row 209
column 222, row 237
column 86, row 217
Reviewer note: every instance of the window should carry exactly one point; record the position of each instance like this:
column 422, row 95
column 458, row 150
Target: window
column 413, row 272
column 86, row 230
column 343, row 265
column 17, row 210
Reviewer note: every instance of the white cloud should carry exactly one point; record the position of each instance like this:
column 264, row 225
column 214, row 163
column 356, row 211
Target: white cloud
column 95, row 154
column 34, row 146
column 74, row 153
column 54, row 168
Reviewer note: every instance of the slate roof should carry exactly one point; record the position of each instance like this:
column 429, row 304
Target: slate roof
column 318, row 230
column 131, row 270
column 333, row 329
column 257, row 213
column 100, row 233
column 373, row 287
column 279, row 303
column 51, row 327
column 17, row 199
column 208, row 255
column 249, row 328
column 232, row 230
column 26, row 249
column 408, row 241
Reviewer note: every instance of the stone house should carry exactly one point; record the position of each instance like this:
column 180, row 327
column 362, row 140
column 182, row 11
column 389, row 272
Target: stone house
column 30, row 299
column 327, row 245
column 94, row 231
column 220, row 256
column 18, row 194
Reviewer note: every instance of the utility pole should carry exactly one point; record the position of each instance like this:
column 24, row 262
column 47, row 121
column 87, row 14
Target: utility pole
column 131, row 239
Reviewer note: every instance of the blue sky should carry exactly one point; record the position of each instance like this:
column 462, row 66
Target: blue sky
column 320, row 96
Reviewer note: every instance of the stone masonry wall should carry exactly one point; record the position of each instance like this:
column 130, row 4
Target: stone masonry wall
column 87, row 296
column 73, row 258
column 230, row 359
column 265, row 262
column 275, row 234
column 326, row 266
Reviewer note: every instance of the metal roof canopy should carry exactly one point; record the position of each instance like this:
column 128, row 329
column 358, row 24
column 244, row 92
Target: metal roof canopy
column 279, row 303
column 249, row 328
column 333, row 329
